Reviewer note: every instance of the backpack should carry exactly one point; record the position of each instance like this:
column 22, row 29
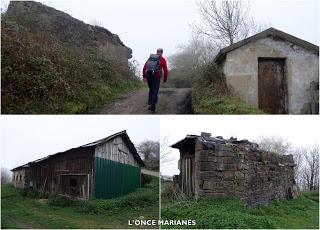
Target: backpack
column 153, row 65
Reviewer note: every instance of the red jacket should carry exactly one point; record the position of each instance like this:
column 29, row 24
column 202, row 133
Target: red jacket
column 163, row 65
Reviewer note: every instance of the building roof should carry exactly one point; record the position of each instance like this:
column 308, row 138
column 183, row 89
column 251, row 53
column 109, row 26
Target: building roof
column 271, row 32
column 123, row 134
column 20, row 167
column 211, row 142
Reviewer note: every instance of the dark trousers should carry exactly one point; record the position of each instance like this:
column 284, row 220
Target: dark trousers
column 154, row 85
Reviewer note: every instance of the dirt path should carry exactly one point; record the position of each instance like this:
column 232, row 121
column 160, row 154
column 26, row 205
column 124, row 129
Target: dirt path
column 171, row 101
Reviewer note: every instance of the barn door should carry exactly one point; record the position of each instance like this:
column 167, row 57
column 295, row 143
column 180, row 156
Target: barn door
column 272, row 85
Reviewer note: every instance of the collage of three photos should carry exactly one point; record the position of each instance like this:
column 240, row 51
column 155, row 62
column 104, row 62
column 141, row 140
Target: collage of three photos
column 199, row 114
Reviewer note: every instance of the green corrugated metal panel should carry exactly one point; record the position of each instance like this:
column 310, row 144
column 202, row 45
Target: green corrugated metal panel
column 113, row 179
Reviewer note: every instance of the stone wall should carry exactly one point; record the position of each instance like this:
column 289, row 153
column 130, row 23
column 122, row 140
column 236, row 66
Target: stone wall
column 255, row 176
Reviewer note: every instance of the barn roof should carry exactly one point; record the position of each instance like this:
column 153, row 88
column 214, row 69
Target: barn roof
column 20, row 167
column 123, row 134
column 271, row 32
column 211, row 142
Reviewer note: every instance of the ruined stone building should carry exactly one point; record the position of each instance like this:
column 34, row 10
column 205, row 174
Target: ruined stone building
column 216, row 167
column 107, row 168
column 273, row 71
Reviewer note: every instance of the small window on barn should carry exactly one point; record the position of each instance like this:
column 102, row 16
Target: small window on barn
column 20, row 178
column 73, row 182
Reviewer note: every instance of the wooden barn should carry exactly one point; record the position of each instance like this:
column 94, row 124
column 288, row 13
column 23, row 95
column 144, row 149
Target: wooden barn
column 107, row 168
column 217, row 167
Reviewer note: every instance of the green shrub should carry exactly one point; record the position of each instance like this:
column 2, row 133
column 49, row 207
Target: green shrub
column 43, row 74
column 145, row 179
column 30, row 193
column 60, row 200
column 138, row 200
column 27, row 192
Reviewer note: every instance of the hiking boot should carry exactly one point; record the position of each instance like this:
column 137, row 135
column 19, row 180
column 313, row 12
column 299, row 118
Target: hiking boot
column 152, row 108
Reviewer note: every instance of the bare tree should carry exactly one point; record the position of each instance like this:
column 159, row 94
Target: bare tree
column 299, row 162
column 185, row 63
column 5, row 176
column 275, row 144
column 192, row 55
column 310, row 170
column 149, row 150
column 165, row 152
column 225, row 22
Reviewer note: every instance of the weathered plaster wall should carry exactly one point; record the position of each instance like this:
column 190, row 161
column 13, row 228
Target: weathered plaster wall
column 255, row 176
column 241, row 70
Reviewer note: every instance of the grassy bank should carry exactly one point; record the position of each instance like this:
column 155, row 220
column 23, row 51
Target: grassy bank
column 301, row 213
column 48, row 67
column 210, row 94
column 18, row 211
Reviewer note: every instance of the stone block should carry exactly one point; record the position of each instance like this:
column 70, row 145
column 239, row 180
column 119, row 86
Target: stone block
column 228, row 175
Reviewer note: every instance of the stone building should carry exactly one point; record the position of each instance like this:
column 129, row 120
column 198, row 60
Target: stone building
column 106, row 168
column 273, row 71
column 216, row 167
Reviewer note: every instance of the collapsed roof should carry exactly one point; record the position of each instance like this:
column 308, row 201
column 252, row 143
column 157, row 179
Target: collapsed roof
column 212, row 142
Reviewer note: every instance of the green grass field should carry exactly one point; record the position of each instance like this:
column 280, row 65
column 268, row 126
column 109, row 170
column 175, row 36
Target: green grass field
column 18, row 211
column 301, row 213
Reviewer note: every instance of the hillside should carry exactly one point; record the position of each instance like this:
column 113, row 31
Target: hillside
column 54, row 63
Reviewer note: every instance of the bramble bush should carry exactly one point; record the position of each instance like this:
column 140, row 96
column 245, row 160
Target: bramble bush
column 42, row 74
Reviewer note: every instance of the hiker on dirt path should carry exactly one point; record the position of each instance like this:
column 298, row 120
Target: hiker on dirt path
column 152, row 73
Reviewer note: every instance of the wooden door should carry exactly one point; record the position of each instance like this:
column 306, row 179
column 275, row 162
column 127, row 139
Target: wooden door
column 188, row 175
column 272, row 85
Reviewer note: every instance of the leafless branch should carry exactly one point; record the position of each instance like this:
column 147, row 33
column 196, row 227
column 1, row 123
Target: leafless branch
column 226, row 21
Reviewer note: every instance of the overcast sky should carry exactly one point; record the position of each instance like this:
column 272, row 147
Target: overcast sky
column 145, row 25
column 27, row 138
column 298, row 130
